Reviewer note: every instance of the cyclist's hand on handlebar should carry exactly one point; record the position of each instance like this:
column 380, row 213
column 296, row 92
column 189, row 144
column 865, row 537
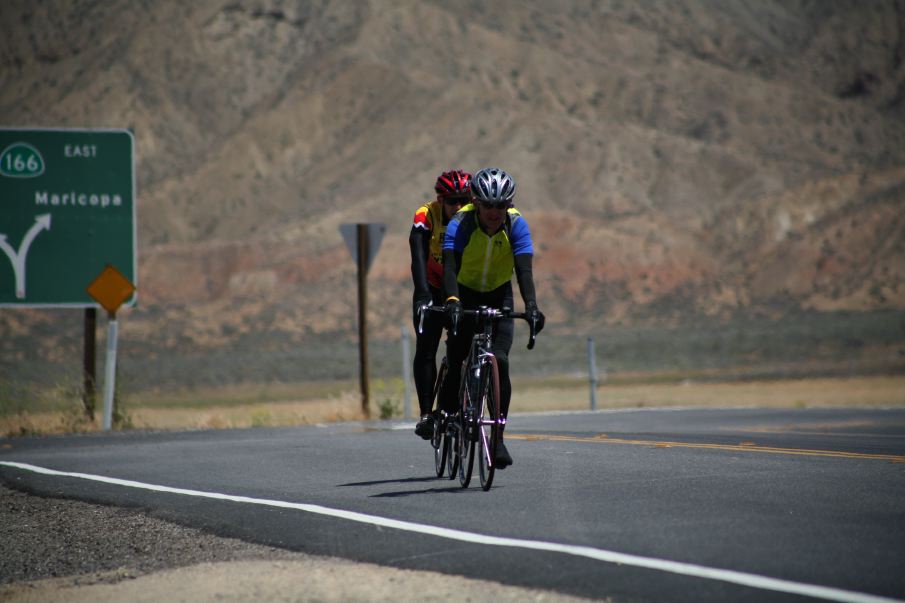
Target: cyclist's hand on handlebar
column 419, row 302
column 535, row 317
column 420, row 305
column 453, row 310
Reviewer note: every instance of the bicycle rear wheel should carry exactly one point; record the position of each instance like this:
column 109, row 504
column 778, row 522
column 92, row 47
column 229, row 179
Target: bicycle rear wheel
column 438, row 440
column 451, row 440
column 438, row 384
column 466, row 456
column 488, row 422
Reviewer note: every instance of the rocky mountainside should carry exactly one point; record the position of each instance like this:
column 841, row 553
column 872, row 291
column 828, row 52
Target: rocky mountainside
column 676, row 160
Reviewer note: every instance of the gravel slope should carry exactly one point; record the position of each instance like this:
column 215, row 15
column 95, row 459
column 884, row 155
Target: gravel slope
column 63, row 550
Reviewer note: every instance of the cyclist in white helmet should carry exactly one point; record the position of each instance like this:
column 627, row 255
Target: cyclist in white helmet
column 485, row 243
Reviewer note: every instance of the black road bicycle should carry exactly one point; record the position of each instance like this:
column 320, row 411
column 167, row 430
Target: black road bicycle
column 476, row 426
column 442, row 438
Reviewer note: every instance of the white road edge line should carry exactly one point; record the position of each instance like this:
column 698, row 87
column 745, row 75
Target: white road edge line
column 675, row 567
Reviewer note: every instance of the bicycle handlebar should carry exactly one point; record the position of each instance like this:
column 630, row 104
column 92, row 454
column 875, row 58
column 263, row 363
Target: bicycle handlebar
column 422, row 312
column 532, row 335
column 491, row 313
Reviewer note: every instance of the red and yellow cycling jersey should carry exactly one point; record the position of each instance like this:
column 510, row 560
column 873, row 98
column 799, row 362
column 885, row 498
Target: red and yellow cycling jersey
column 429, row 217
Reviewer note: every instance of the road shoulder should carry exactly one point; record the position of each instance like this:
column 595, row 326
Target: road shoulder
column 65, row 550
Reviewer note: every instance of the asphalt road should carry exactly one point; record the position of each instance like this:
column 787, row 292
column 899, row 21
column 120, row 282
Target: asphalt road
column 645, row 505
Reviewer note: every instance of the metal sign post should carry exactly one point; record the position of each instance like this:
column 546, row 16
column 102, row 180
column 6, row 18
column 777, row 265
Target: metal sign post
column 110, row 289
column 110, row 370
column 363, row 240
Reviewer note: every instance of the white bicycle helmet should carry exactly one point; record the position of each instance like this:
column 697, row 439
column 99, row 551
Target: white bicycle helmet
column 493, row 186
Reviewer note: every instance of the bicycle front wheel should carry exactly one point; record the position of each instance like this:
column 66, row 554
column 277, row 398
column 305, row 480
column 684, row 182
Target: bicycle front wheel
column 466, row 436
column 488, row 422
column 439, row 440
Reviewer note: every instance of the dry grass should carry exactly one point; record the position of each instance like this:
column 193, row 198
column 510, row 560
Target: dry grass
column 530, row 395
column 797, row 393
column 224, row 415
column 346, row 407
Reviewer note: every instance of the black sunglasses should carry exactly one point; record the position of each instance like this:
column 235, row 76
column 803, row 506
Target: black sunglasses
column 491, row 205
column 455, row 200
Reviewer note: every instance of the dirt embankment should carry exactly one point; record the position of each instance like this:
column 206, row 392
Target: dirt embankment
column 69, row 551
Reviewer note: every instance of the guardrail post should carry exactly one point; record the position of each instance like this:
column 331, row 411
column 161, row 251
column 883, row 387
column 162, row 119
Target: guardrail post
column 592, row 373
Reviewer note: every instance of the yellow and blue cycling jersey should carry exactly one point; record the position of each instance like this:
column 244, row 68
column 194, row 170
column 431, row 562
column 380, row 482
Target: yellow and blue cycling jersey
column 487, row 261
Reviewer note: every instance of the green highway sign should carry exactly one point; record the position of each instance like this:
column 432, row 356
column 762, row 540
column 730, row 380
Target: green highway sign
column 67, row 210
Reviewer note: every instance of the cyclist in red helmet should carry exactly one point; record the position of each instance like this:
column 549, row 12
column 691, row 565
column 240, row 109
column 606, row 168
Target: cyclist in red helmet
column 426, row 243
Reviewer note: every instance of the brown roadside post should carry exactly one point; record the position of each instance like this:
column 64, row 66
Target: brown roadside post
column 363, row 240
column 362, row 234
column 89, row 373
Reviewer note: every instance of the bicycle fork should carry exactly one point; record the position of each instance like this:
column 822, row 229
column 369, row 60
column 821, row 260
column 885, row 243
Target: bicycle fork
column 494, row 418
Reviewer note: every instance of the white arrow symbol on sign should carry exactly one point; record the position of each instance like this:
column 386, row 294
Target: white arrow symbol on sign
column 42, row 222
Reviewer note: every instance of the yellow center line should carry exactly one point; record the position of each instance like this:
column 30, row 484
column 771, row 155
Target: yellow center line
column 741, row 447
column 846, row 434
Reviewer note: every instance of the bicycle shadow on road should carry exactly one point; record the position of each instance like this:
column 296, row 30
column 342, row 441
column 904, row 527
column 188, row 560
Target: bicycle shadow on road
column 406, row 480
column 412, row 492
column 391, row 481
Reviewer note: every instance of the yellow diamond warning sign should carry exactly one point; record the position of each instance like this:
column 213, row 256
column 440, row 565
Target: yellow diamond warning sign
column 111, row 289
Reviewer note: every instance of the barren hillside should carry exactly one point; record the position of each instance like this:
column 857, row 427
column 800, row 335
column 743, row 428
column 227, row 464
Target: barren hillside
column 676, row 160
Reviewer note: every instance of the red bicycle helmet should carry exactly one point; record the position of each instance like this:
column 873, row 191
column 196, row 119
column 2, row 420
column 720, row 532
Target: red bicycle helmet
column 453, row 183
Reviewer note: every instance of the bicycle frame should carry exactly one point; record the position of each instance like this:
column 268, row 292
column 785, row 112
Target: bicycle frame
column 479, row 357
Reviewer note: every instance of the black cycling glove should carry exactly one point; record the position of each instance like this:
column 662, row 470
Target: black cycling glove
column 535, row 316
column 419, row 300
